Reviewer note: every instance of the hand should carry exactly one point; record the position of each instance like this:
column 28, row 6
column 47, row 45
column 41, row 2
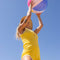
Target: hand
column 38, row 14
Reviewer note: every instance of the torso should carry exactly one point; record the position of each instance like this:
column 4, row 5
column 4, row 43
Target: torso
column 30, row 44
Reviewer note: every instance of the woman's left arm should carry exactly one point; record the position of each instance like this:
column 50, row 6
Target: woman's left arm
column 37, row 30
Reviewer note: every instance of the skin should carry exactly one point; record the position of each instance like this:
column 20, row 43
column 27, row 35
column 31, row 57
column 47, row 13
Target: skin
column 25, row 25
column 26, row 57
column 37, row 30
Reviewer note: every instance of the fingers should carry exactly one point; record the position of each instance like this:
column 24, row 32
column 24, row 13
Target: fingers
column 38, row 14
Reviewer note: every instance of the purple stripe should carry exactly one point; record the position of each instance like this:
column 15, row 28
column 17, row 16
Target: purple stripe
column 41, row 6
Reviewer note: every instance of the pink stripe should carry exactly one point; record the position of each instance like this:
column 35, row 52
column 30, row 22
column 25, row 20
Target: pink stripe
column 29, row 1
column 34, row 2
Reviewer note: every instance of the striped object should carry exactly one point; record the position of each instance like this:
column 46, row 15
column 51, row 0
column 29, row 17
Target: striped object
column 38, row 6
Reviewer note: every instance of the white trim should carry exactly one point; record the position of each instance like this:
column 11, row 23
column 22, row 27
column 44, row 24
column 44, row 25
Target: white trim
column 34, row 11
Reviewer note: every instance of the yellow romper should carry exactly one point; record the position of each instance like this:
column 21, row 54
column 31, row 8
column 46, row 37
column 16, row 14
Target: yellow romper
column 30, row 44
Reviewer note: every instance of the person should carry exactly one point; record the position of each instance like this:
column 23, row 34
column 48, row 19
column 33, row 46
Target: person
column 29, row 38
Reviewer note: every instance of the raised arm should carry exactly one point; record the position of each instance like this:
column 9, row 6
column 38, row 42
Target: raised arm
column 23, row 25
column 40, row 24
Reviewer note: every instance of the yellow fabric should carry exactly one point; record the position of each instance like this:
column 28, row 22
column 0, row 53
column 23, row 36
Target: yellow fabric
column 30, row 44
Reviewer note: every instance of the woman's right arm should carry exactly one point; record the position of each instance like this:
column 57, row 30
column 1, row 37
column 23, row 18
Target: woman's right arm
column 40, row 24
column 23, row 25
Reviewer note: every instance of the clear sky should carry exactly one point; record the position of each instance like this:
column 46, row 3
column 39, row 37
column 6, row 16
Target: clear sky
column 11, row 11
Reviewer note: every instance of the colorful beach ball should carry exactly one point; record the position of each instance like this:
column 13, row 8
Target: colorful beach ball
column 38, row 6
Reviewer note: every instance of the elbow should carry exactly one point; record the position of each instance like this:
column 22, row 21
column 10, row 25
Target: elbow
column 19, row 29
column 41, row 25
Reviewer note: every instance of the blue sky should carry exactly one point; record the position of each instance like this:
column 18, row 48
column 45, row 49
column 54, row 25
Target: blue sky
column 11, row 11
